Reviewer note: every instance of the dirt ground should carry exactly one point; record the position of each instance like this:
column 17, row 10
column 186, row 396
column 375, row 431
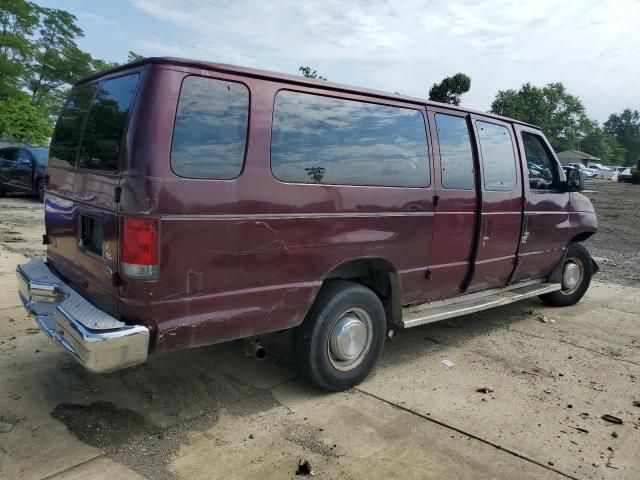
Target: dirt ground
column 211, row 413
column 616, row 246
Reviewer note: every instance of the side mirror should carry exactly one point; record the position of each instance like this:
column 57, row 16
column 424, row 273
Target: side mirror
column 575, row 179
column 25, row 161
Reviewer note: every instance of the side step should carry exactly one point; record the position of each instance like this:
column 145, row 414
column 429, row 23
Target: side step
column 472, row 303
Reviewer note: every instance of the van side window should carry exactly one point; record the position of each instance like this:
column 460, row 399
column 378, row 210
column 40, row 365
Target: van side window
column 543, row 171
column 498, row 159
column 210, row 132
column 66, row 138
column 102, row 139
column 318, row 139
column 456, row 156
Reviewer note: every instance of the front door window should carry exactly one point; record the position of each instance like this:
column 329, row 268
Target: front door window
column 543, row 174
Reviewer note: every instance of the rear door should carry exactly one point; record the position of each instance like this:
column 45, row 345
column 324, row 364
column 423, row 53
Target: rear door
column 86, row 161
column 545, row 231
column 501, row 204
column 457, row 201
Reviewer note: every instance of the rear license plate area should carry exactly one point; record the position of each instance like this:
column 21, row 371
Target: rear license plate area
column 90, row 234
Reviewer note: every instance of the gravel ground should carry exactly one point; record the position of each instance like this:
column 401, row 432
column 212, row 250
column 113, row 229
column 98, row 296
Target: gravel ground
column 616, row 246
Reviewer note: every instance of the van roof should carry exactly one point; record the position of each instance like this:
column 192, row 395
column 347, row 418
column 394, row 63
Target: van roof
column 294, row 79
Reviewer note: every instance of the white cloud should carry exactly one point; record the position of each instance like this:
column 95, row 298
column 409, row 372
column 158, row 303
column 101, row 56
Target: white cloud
column 153, row 48
column 406, row 45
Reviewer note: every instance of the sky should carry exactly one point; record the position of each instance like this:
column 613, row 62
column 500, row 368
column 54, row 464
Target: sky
column 592, row 46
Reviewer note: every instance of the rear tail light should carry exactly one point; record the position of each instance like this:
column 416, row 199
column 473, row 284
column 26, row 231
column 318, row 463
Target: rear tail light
column 139, row 247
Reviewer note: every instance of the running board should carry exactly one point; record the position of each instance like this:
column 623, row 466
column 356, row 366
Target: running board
column 472, row 303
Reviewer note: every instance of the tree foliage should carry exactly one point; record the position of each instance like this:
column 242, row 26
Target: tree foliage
column 307, row 72
column 39, row 60
column 450, row 89
column 18, row 20
column 625, row 128
column 134, row 57
column 24, row 121
column 562, row 118
column 560, row 114
column 600, row 144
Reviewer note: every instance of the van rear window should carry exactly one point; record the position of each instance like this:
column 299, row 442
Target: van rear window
column 318, row 139
column 66, row 138
column 105, row 125
column 210, row 132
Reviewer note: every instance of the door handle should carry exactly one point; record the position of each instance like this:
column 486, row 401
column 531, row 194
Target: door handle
column 525, row 229
column 485, row 231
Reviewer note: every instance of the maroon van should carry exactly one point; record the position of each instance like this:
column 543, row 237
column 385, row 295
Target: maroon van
column 191, row 203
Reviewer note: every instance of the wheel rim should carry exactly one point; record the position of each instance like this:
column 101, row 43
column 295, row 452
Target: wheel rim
column 350, row 339
column 572, row 275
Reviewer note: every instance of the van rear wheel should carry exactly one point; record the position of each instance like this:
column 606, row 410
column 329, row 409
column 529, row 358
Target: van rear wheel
column 576, row 278
column 340, row 341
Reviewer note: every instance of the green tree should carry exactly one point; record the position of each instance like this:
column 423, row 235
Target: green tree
column 39, row 60
column 134, row 57
column 558, row 113
column 24, row 121
column 98, row 65
column 600, row 144
column 625, row 128
column 451, row 89
column 307, row 72
column 57, row 61
column 18, row 20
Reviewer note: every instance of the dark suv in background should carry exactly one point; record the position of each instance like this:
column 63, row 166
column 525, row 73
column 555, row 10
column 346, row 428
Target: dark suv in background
column 22, row 169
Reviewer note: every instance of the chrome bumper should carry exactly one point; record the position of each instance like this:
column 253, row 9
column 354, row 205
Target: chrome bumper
column 98, row 341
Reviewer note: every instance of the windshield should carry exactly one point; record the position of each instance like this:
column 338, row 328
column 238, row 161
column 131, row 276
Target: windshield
column 41, row 155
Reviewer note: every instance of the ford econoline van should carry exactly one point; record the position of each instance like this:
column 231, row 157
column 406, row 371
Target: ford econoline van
column 191, row 203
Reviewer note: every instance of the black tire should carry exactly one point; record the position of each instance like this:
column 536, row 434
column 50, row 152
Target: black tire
column 40, row 189
column 578, row 255
column 311, row 340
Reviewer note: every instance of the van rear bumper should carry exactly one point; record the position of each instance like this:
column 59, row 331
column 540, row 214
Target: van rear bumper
column 98, row 341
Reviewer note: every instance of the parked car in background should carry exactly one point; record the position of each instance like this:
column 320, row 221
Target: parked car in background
column 602, row 171
column 202, row 203
column 22, row 169
column 588, row 172
column 625, row 176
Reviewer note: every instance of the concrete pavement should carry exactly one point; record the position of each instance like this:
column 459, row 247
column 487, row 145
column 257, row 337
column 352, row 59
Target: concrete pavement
column 213, row 413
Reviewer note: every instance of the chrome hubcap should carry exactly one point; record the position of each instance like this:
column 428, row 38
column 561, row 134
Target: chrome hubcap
column 571, row 275
column 350, row 339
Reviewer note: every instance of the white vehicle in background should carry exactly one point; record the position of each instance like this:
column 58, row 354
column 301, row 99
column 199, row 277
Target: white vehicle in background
column 589, row 173
column 603, row 171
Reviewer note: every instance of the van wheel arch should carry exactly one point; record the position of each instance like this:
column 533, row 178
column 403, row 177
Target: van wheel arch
column 581, row 237
column 377, row 274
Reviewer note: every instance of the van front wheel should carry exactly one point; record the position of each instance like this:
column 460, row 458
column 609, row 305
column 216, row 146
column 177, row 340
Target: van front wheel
column 576, row 278
column 339, row 342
